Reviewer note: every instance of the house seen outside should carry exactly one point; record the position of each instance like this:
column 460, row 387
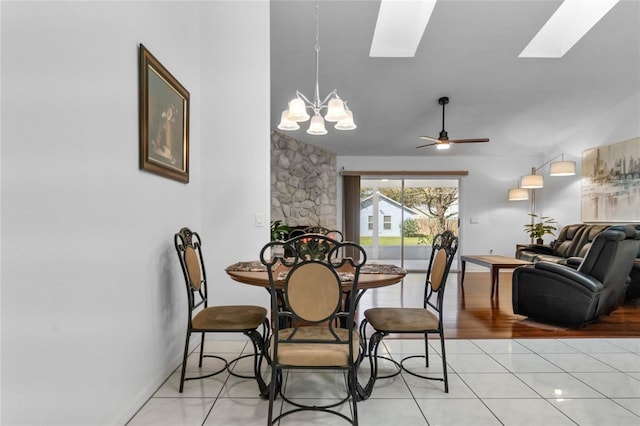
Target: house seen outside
column 398, row 218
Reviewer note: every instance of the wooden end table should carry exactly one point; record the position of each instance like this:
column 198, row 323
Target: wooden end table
column 494, row 263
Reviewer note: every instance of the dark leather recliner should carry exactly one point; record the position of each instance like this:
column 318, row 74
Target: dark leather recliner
column 560, row 294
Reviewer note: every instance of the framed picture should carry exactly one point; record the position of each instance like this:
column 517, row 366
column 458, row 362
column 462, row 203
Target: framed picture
column 164, row 120
column 611, row 183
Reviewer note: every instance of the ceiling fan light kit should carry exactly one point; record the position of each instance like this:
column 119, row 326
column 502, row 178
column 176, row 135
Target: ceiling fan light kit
column 443, row 141
column 337, row 110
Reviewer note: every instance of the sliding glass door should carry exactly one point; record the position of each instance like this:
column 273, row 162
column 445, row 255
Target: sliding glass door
column 400, row 216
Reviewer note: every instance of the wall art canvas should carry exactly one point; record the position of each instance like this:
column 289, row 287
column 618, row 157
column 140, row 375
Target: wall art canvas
column 164, row 120
column 611, row 183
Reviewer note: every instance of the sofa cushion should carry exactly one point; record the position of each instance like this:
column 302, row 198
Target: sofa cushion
column 588, row 234
column 539, row 257
column 567, row 242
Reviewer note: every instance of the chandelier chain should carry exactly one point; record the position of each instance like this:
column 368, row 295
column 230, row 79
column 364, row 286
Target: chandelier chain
column 317, row 46
column 317, row 105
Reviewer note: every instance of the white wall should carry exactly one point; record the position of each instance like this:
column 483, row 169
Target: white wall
column 93, row 303
column 618, row 123
column 236, row 141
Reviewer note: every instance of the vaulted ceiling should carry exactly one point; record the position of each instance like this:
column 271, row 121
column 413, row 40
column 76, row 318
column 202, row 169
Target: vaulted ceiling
column 469, row 52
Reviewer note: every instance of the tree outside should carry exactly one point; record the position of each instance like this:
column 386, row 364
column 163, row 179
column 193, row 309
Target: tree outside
column 437, row 204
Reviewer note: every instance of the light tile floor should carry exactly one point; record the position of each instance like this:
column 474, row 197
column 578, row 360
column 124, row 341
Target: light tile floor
column 491, row 382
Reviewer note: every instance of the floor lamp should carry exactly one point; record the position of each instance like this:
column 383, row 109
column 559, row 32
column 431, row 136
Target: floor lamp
column 529, row 183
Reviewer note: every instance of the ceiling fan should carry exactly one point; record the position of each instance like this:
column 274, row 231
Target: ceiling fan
column 443, row 140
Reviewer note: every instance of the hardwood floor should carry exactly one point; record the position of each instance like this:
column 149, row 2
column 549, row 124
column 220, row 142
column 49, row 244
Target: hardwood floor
column 472, row 315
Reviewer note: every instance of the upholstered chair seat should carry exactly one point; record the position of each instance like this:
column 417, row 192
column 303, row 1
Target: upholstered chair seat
column 312, row 354
column 400, row 320
column 229, row 318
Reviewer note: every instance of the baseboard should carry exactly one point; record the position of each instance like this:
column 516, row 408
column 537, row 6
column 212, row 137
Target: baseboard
column 141, row 399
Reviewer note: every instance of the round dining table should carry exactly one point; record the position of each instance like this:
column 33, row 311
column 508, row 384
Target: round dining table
column 371, row 275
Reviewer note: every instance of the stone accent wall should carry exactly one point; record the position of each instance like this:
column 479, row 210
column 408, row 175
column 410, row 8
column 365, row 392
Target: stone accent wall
column 303, row 183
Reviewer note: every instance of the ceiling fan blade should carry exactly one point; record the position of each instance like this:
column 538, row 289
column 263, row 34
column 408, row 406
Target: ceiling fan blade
column 444, row 138
column 469, row 140
column 429, row 138
column 429, row 144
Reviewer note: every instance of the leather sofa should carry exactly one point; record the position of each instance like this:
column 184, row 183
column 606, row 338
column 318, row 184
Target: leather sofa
column 570, row 248
column 556, row 293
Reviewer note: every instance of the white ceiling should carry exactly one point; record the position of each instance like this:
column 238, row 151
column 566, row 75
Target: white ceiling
column 469, row 52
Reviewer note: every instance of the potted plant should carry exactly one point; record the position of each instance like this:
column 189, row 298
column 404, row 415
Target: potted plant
column 279, row 231
column 537, row 230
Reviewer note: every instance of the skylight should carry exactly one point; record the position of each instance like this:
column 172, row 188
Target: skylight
column 570, row 22
column 399, row 27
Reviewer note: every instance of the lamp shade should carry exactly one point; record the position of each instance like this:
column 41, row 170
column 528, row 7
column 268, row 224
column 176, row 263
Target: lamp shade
column 443, row 146
column 297, row 110
column 562, row 168
column 335, row 110
column 532, row 182
column 346, row 123
column 316, row 127
column 518, row 194
column 286, row 124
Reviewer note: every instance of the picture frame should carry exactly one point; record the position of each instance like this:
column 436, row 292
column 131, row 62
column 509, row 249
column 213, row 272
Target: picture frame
column 610, row 187
column 164, row 120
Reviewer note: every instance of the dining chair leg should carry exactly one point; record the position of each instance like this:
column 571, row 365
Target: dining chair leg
column 426, row 349
column 444, row 363
column 184, row 361
column 272, row 394
column 258, row 353
column 363, row 339
column 201, row 349
column 353, row 379
column 374, row 344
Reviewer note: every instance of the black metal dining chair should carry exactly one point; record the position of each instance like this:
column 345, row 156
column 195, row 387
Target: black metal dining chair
column 307, row 298
column 426, row 320
column 317, row 229
column 204, row 318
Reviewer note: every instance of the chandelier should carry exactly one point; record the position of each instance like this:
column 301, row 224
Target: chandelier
column 337, row 110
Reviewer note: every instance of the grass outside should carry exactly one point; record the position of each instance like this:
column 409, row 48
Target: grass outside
column 390, row 241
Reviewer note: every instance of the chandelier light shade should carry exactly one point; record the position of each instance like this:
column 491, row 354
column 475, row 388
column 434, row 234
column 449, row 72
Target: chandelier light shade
column 562, row 168
column 518, row 194
column 286, row 123
column 346, row 123
column 336, row 109
column 317, row 126
column 297, row 110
